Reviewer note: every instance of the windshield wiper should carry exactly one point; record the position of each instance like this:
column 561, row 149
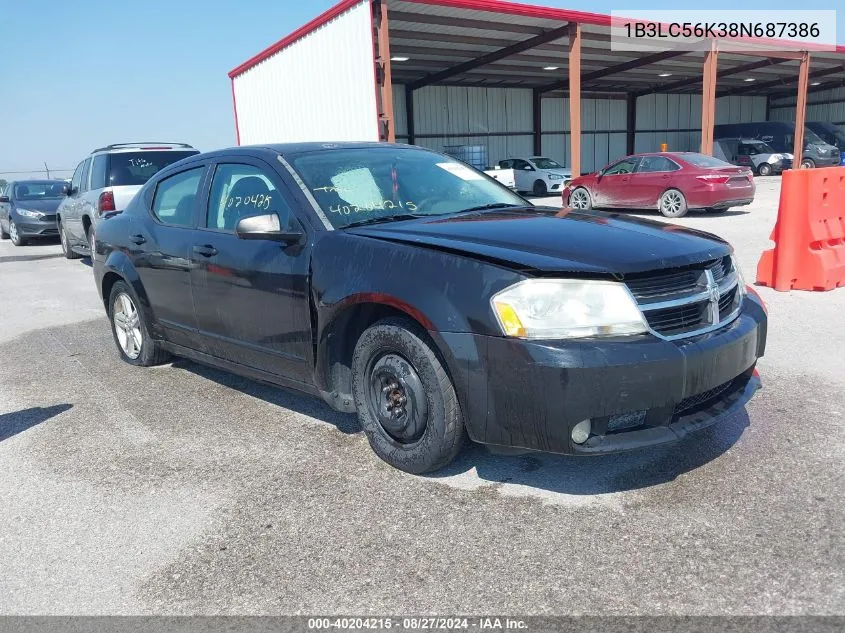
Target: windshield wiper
column 385, row 218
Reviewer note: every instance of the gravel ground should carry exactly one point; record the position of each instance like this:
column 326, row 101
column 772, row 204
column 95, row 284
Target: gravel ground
column 182, row 489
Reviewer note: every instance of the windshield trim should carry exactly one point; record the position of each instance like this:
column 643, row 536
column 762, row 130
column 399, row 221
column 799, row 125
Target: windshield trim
column 307, row 192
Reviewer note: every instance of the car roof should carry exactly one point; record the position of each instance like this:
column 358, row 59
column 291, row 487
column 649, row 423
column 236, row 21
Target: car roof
column 163, row 146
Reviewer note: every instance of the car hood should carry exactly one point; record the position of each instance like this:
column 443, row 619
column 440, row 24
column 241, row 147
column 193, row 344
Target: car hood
column 563, row 241
column 46, row 206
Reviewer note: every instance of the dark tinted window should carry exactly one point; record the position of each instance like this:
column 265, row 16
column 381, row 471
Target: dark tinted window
column 98, row 171
column 622, row 167
column 546, row 163
column 86, row 166
column 702, row 160
column 175, row 197
column 520, row 164
column 376, row 184
column 506, row 164
column 136, row 168
column 656, row 163
column 238, row 191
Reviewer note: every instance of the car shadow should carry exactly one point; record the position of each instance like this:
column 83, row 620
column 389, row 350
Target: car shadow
column 28, row 258
column 602, row 474
column 690, row 214
column 86, row 260
column 573, row 475
column 19, row 421
column 279, row 396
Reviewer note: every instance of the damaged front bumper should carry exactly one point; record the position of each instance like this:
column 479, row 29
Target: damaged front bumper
column 635, row 391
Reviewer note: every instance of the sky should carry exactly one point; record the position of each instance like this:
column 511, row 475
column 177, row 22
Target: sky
column 79, row 75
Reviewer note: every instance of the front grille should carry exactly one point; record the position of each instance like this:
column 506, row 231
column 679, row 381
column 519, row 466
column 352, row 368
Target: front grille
column 702, row 398
column 686, row 301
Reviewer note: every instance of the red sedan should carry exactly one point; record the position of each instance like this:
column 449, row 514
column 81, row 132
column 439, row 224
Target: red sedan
column 671, row 182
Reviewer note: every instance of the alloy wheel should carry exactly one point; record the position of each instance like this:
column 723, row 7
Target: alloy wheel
column 671, row 203
column 127, row 325
column 579, row 199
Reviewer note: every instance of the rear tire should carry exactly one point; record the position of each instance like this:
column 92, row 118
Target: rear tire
column 406, row 401
column 540, row 188
column 130, row 329
column 66, row 248
column 672, row 204
column 764, row 169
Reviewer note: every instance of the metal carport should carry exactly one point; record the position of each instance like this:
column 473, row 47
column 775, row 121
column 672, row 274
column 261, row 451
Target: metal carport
column 547, row 64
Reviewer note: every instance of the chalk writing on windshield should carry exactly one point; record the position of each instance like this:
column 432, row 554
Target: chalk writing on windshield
column 381, row 205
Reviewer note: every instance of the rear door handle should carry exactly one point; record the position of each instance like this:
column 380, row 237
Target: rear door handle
column 206, row 250
column 137, row 239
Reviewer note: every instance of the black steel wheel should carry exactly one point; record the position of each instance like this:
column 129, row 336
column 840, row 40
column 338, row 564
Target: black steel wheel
column 405, row 399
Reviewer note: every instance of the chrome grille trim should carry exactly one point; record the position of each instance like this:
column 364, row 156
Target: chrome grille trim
column 712, row 283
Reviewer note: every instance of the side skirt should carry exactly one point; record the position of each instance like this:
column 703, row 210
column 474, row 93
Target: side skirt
column 241, row 370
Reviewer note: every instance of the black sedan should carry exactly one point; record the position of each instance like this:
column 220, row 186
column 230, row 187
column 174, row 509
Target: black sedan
column 28, row 209
column 414, row 290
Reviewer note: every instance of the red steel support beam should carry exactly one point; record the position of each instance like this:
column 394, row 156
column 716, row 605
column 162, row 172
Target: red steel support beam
column 575, row 37
column 801, row 109
column 708, row 98
column 387, row 122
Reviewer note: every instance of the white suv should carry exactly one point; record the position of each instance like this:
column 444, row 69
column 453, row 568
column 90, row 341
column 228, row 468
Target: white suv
column 106, row 181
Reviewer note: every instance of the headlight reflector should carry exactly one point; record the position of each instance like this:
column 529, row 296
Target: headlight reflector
column 567, row 308
column 30, row 213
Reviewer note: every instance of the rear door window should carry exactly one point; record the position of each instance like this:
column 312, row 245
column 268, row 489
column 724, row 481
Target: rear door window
column 656, row 164
column 86, row 166
column 175, row 197
column 98, row 171
column 136, row 168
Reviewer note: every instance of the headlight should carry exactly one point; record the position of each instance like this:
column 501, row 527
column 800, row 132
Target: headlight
column 555, row 177
column 567, row 308
column 30, row 213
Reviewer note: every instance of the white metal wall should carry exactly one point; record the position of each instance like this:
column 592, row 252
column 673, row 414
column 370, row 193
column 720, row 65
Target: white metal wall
column 457, row 115
column 319, row 88
column 827, row 105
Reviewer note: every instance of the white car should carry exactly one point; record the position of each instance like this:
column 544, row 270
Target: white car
column 538, row 175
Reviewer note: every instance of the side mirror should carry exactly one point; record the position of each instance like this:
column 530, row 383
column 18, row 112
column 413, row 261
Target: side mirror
column 265, row 227
column 4, row 199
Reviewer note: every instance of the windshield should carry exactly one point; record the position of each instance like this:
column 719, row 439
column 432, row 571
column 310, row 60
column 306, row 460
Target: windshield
column 45, row 190
column 546, row 163
column 377, row 184
column 702, row 160
column 830, row 134
column 136, row 168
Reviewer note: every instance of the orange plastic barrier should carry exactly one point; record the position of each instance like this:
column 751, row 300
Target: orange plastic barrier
column 809, row 235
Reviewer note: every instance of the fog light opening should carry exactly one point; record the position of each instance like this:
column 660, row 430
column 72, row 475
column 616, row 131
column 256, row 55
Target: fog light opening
column 581, row 431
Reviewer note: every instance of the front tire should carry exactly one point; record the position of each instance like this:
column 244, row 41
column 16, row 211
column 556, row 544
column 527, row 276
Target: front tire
column 765, row 169
column 580, row 199
column 16, row 237
column 807, row 163
column 406, row 401
column 130, row 330
column 540, row 188
column 673, row 204
column 68, row 252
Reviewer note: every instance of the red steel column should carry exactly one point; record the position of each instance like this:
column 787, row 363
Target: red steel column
column 575, row 98
column 801, row 109
column 708, row 98
column 386, row 118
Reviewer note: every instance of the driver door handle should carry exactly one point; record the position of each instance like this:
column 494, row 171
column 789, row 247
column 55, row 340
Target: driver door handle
column 206, row 250
column 137, row 239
